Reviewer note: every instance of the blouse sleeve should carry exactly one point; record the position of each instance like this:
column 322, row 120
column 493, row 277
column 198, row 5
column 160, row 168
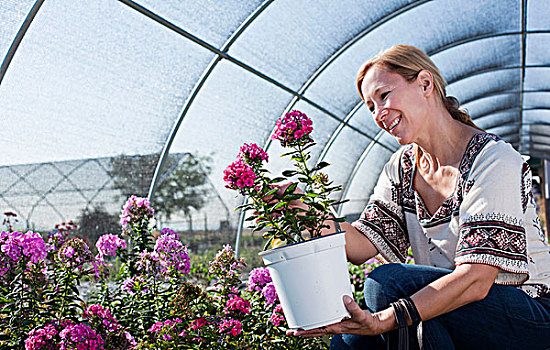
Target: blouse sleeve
column 382, row 221
column 492, row 214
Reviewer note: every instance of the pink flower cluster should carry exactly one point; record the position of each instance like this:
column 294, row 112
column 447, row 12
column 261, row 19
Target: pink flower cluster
column 16, row 246
column 80, row 337
column 237, row 304
column 252, row 154
column 169, row 232
column 135, row 210
column 42, row 338
column 108, row 245
column 258, row 278
column 277, row 316
column 198, row 323
column 293, row 129
column 103, row 316
column 172, row 254
column 167, row 326
column 239, row 175
column 270, row 293
column 132, row 284
column 230, row 326
column 75, row 252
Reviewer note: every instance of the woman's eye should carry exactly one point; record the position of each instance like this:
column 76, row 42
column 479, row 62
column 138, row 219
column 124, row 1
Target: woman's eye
column 384, row 95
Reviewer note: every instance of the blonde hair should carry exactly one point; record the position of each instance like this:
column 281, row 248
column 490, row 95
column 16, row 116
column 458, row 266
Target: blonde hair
column 408, row 61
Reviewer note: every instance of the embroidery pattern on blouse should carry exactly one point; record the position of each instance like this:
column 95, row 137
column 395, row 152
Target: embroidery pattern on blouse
column 413, row 203
column 384, row 225
column 494, row 239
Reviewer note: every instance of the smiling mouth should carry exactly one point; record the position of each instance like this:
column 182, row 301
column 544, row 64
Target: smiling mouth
column 394, row 124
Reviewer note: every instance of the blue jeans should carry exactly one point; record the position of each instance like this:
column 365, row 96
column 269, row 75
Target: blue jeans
column 506, row 319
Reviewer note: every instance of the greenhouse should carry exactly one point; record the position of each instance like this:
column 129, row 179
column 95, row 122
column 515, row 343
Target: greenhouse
column 107, row 99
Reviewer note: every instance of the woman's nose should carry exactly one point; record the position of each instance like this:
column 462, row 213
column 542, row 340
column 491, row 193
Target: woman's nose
column 380, row 114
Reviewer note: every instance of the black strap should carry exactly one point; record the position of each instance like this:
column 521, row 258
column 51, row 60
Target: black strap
column 402, row 326
column 402, row 308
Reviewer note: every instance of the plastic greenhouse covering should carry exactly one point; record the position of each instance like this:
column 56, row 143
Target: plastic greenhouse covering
column 104, row 98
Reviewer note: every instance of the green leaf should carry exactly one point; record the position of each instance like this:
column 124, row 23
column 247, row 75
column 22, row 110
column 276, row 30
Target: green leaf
column 279, row 205
column 290, row 189
column 321, row 165
column 289, row 173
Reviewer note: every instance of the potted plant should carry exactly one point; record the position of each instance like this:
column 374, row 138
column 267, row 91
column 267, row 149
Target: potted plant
column 309, row 270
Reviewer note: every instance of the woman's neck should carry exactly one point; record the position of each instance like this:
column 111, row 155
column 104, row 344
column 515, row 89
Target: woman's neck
column 445, row 140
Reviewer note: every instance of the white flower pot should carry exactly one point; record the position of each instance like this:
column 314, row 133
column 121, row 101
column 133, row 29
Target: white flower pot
column 311, row 279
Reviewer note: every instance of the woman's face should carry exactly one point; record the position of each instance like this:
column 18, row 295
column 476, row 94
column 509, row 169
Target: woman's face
column 397, row 106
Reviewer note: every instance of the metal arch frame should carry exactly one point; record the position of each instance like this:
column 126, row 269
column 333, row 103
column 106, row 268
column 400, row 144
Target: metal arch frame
column 523, row 60
column 356, row 168
column 200, row 83
column 18, row 38
column 337, row 54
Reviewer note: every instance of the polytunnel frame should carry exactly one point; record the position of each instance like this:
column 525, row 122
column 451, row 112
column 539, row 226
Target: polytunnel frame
column 297, row 95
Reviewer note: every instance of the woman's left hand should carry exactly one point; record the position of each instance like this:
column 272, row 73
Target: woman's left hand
column 361, row 322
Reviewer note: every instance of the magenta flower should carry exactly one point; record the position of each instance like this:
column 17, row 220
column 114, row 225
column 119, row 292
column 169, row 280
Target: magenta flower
column 135, row 210
column 258, row 278
column 172, row 254
column 28, row 245
column 277, row 316
column 169, row 232
column 198, row 323
column 252, row 154
column 230, row 326
column 237, row 304
column 42, row 338
column 103, row 316
column 270, row 293
column 108, row 245
column 293, row 129
column 239, row 176
column 81, row 337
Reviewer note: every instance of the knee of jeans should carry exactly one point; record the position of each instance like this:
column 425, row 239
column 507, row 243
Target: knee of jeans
column 376, row 287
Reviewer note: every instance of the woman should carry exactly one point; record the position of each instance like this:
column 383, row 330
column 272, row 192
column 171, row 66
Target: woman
column 461, row 199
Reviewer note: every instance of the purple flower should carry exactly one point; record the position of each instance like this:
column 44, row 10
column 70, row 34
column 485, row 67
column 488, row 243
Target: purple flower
column 29, row 245
column 108, row 244
column 270, row 293
column 169, row 232
column 135, row 211
column 133, row 284
column 258, row 278
column 172, row 254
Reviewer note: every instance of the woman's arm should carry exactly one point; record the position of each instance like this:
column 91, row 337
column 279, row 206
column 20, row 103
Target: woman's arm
column 358, row 247
column 466, row 284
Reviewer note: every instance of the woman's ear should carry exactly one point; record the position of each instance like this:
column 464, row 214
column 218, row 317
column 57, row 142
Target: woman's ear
column 425, row 80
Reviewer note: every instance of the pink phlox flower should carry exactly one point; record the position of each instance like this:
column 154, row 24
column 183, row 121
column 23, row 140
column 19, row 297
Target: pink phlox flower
column 258, row 278
column 252, row 154
column 81, row 337
column 293, row 129
column 104, row 315
column 108, row 244
column 30, row 245
column 132, row 284
column 172, row 254
column 135, row 210
column 171, row 233
column 41, row 338
column 269, row 293
column 277, row 316
column 198, row 323
column 238, row 304
column 231, row 326
column 239, row 176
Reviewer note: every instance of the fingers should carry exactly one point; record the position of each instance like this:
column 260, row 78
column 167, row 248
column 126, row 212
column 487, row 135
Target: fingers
column 353, row 307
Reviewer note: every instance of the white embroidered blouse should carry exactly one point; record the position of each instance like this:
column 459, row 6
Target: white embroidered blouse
column 490, row 218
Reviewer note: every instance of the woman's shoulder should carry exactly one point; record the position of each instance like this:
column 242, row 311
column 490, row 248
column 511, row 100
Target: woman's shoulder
column 489, row 151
